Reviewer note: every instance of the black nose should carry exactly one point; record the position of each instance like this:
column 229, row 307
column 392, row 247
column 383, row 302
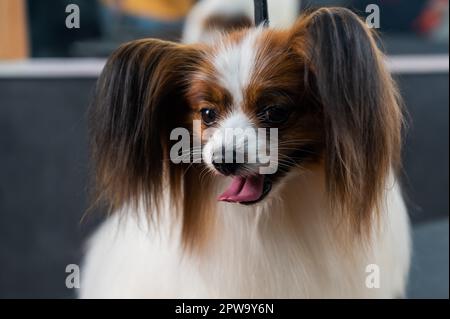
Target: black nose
column 226, row 168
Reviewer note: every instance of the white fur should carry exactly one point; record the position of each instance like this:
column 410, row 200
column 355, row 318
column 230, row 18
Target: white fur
column 253, row 252
column 234, row 63
column 233, row 67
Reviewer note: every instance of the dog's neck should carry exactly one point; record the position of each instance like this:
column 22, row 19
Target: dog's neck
column 290, row 232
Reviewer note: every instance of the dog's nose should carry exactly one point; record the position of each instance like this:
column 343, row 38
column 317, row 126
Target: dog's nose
column 224, row 164
column 226, row 168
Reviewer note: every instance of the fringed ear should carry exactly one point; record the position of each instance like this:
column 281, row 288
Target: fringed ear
column 361, row 108
column 139, row 99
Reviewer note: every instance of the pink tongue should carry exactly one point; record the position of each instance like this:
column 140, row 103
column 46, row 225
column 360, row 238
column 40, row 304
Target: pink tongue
column 243, row 189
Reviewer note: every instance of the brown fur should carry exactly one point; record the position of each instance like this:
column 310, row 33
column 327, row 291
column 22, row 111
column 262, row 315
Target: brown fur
column 361, row 108
column 139, row 100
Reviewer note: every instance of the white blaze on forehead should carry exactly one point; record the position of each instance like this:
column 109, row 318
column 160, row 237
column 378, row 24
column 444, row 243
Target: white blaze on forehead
column 234, row 64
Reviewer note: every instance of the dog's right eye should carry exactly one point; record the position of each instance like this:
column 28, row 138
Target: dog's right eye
column 275, row 114
column 208, row 116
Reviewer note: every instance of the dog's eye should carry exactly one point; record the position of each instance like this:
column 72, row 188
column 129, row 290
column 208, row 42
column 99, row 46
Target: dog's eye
column 208, row 116
column 275, row 115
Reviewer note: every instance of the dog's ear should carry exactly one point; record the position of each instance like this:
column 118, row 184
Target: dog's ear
column 139, row 99
column 360, row 105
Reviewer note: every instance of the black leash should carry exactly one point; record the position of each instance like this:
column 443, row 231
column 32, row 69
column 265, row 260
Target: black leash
column 261, row 13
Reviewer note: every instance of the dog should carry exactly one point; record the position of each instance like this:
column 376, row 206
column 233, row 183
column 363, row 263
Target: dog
column 329, row 222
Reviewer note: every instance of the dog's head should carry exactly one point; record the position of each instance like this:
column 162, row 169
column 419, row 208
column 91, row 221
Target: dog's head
column 322, row 85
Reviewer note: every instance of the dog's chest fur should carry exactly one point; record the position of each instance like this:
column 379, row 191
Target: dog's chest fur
column 288, row 248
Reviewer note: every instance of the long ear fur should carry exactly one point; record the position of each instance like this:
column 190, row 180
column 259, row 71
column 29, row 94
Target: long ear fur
column 361, row 109
column 139, row 99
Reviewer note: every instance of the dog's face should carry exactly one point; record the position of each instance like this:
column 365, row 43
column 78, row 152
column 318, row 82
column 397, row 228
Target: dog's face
column 322, row 84
column 253, row 80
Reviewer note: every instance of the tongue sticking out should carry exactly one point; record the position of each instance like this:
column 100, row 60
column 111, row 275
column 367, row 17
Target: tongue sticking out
column 243, row 189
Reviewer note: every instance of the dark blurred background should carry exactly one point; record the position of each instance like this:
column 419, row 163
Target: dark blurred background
column 105, row 25
column 43, row 136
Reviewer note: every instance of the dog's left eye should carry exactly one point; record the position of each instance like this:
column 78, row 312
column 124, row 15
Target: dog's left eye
column 208, row 116
column 275, row 115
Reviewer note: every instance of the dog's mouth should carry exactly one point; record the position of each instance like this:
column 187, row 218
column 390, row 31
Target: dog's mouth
column 247, row 190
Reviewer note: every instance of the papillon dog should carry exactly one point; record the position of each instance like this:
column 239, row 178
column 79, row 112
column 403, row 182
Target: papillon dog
column 328, row 222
